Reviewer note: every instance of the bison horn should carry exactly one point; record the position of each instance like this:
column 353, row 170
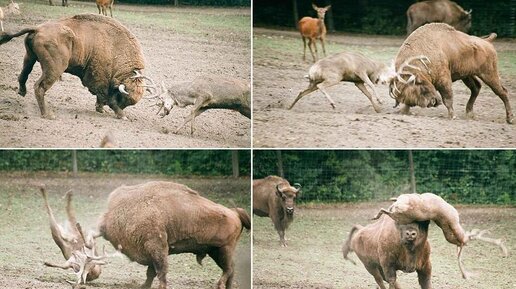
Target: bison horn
column 121, row 88
column 278, row 188
column 469, row 11
column 297, row 186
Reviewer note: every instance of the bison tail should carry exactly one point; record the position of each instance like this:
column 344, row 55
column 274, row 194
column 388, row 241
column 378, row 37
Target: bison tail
column 6, row 37
column 490, row 37
column 346, row 248
column 244, row 217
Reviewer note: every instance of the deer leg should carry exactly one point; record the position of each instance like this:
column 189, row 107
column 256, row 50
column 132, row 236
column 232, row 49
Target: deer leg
column 493, row 81
column 310, row 44
column 362, row 88
column 223, row 257
column 2, row 25
column 55, row 229
column 311, row 88
column 465, row 274
column 304, row 47
column 111, row 9
column 474, row 85
column 28, row 63
column 322, row 87
column 367, row 81
column 382, row 211
column 323, row 48
column 65, row 265
column 98, row 7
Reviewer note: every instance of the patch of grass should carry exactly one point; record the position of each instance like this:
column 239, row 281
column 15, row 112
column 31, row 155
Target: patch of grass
column 314, row 259
column 507, row 63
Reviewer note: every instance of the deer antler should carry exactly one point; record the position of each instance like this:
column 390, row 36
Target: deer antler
column 477, row 234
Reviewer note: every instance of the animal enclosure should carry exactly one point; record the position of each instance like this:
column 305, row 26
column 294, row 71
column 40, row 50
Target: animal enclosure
column 279, row 77
column 27, row 242
column 178, row 44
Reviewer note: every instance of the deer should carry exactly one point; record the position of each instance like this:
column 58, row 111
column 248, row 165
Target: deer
column 103, row 5
column 313, row 29
column 12, row 8
column 204, row 92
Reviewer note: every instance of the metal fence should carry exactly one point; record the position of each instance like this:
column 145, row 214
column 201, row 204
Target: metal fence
column 460, row 176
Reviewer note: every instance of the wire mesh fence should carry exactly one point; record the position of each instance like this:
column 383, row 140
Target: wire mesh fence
column 460, row 176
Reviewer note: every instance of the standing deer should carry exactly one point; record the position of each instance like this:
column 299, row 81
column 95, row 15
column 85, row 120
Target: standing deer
column 313, row 29
column 103, row 5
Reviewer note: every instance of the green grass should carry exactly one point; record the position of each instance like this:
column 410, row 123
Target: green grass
column 190, row 21
column 314, row 259
column 26, row 241
column 507, row 63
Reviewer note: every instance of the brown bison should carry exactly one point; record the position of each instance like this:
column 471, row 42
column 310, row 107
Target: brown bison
column 99, row 50
column 82, row 259
column 386, row 246
column 421, row 13
column 274, row 197
column 150, row 221
column 409, row 208
column 436, row 55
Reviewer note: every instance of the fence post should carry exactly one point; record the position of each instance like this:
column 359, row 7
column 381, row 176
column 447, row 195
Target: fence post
column 412, row 174
column 294, row 12
column 234, row 160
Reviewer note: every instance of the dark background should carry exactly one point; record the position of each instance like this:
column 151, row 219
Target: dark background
column 382, row 16
column 459, row 176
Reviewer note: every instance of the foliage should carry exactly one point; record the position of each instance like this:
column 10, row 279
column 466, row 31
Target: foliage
column 460, row 176
column 168, row 162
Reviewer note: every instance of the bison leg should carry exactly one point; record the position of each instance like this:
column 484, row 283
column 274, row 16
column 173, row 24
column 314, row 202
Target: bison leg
column 28, row 63
column 158, row 250
column 151, row 274
column 224, row 259
column 446, row 92
column 322, row 87
column 377, row 274
column 424, row 275
column 362, row 88
column 474, row 85
column 493, row 81
column 118, row 111
column 311, row 88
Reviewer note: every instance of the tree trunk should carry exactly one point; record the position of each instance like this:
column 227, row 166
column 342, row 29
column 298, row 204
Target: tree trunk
column 234, row 160
column 74, row 163
column 329, row 16
column 281, row 173
column 412, row 173
column 176, row 2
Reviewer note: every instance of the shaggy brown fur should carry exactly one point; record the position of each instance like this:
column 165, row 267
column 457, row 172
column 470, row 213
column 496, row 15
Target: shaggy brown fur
column 313, row 29
column 70, row 240
column 203, row 93
column 385, row 247
column 421, row 13
column 274, row 197
column 409, row 208
column 97, row 49
column 452, row 55
column 103, row 5
column 346, row 66
column 147, row 222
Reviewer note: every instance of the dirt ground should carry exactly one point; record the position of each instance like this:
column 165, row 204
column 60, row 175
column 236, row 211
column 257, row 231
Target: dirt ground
column 279, row 77
column 314, row 259
column 172, row 53
column 26, row 240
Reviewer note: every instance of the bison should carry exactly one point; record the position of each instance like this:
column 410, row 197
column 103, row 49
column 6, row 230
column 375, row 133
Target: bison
column 434, row 56
column 99, row 50
column 386, row 246
column 408, row 208
column 274, row 197
column 421, row 13
column 150, row 221
column 83, row 260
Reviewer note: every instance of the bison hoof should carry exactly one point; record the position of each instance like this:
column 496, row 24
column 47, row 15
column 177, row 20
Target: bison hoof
column 509, row 119
column 22, row 91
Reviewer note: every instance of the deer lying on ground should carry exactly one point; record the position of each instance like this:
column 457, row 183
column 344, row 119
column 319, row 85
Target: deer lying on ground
column 103, row 5
column 350, row 67
column 409, row 208
column 313, row 29
column 80, row 254
column 12, row 8
column 204, row 92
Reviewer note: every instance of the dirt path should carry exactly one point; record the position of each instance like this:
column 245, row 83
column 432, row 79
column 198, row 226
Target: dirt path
column 312, row 123
column 170, row 56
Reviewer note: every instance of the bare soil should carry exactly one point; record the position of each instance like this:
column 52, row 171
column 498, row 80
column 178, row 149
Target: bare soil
column 279, row 77
column 170, row 56
column 313, row 258
column 26, row 240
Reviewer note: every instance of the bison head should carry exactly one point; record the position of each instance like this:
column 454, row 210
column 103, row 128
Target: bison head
column 287, row 195
column 414, row 88
column 131, row 90
column 464, row 21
